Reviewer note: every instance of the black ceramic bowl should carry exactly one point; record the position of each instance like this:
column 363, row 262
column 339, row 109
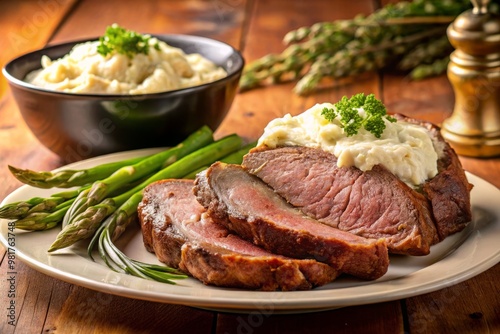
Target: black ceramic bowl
column 78, row 126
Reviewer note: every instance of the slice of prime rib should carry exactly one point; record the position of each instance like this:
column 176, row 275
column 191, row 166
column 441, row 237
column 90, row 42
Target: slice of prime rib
column 177, row 229
column 373, row 204
column 247, row 206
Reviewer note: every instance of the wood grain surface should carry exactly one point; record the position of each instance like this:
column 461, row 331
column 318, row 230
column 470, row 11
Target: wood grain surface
column 256, row 27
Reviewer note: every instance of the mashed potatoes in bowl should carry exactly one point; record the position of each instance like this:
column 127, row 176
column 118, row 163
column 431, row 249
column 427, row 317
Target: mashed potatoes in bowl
column 125, row 113
column 163, row 68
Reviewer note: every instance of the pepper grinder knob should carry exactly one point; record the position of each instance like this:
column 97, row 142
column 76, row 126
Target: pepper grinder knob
column 480, row 7
column 473, row 129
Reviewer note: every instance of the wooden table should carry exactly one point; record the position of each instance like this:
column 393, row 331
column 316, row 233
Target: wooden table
column 256, row 27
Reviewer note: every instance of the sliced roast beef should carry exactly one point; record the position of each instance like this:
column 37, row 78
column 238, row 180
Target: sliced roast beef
column 372, row 204
column 165, row 207
column 449, row 190
column 176, row 228
column 250, row 208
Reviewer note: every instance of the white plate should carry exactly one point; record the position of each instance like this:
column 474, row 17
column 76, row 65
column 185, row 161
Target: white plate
column 456, row 259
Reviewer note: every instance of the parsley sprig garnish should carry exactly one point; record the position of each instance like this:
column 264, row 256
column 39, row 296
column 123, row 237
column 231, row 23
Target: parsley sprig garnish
column 350, row 118
column 121, row 40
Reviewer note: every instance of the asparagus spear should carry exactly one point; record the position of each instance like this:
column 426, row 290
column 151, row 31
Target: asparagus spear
column 233, row 158
column 237, row 157
column 126, row 174
column 86, row 223
column 39, row 213
column 427, row 70
column 69, row 177
column 21, row 209
column 39, row 221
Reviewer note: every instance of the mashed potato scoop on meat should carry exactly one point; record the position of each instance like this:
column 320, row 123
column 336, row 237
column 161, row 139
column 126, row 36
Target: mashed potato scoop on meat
column 405, row 149
column 84, row 70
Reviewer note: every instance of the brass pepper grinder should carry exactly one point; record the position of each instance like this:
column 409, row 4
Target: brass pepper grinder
column 473, row 129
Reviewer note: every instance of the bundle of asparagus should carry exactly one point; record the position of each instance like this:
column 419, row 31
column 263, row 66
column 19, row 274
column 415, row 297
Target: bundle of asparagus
column 103, row 200
column 410, row 36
